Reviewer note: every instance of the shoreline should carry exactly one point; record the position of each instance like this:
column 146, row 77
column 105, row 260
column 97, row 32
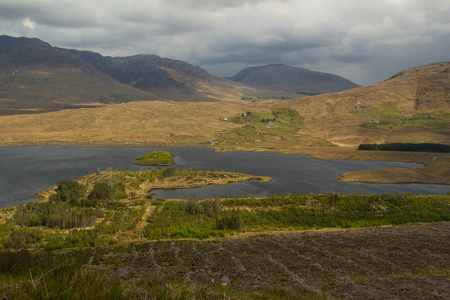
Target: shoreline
column 435, row 170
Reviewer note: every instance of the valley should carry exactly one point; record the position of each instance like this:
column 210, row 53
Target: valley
column 158, row 123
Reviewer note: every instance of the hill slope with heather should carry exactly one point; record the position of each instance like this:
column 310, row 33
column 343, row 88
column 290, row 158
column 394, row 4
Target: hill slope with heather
column 411, row 106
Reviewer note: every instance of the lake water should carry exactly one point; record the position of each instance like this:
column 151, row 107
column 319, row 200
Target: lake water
column 26, row 170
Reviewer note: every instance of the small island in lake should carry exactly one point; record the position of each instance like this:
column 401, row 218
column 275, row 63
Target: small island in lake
column 155, row 158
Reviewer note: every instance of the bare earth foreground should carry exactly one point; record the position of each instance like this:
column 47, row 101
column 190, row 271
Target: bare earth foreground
column 396, row 262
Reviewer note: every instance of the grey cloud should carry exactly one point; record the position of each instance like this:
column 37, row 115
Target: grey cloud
column 365, row 41
column 219, row 4
column 55, row 15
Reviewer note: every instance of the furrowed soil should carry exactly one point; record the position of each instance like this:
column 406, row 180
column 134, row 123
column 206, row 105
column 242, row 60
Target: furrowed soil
column 409, row 262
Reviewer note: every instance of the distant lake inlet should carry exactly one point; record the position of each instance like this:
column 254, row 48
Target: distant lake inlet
column 26, row 170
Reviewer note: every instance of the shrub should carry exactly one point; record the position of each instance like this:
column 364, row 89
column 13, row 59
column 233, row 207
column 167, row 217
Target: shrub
column 169, row 172
column 102, row 191
column 69, row 191
column 119, row 191
column 21, row 238
column 229, row 221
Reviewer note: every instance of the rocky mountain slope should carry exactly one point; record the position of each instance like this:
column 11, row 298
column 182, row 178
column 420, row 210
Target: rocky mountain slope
column 35, row 75
column 292, row 79
column 166, row 78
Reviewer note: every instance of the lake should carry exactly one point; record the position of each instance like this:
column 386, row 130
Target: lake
column 26, row 170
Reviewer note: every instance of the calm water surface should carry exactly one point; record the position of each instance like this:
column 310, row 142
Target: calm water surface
column 26, row 170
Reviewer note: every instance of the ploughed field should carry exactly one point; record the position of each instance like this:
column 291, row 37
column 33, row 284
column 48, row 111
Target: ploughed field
column 409, row 261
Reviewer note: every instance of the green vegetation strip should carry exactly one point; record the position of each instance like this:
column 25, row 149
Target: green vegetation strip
column 387, row 116
column 194, row 219
column 99, row 221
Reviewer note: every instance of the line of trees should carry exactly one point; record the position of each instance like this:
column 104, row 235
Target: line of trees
column 421, row 147
column 69, row 207
column 199, row 219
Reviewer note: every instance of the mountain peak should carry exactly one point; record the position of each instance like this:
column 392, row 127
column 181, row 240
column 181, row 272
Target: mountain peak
column 292, row 79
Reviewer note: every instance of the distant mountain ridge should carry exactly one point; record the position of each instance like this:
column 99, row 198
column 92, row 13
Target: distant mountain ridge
column 292, row 79
column 411, row 107
column 161, row 76
column 36, row 77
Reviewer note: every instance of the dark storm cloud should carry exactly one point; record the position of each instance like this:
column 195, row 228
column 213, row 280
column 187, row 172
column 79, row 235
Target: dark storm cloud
column 365, row 41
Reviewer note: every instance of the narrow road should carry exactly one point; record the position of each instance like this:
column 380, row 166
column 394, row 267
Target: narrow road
column 149, row 209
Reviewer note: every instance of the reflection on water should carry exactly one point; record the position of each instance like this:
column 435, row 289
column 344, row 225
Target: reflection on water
column 26, row 170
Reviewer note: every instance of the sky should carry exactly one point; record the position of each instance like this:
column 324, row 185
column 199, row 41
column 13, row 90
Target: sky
column 363, row 41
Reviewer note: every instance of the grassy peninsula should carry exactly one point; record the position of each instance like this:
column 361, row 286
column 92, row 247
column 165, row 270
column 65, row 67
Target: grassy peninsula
column 155, row 158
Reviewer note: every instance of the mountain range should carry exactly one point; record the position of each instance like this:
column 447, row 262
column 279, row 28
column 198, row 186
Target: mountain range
column 410, row 106
column 35, row 77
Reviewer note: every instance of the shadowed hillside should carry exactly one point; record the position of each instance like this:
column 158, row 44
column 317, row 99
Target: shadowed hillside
column 168, row 79
column 35, row 75
column 302, row 82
